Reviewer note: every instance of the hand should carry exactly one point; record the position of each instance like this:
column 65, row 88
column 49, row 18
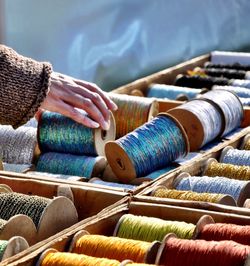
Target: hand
column 68, row 96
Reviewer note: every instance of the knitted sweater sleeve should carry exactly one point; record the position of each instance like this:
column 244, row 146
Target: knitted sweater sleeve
column 24, row 84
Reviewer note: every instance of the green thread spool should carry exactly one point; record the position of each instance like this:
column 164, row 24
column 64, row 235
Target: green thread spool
column 150, row 229
column 17, row 203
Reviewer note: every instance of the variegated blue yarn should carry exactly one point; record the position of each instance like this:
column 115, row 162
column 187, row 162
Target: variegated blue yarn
column 58, row 133
column 66, row 164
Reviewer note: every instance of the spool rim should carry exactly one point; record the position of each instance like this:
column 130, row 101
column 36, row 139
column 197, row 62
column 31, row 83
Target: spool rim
column 204, row 220
column 244, row 141
column 178, row 178
column 75, row 238
column 224, row 152
column 44, row 254
column 208, row 163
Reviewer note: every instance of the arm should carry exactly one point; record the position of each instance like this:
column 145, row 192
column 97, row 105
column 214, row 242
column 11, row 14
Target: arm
column 27, row 85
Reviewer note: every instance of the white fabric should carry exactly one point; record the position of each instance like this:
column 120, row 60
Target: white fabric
column 112, row 42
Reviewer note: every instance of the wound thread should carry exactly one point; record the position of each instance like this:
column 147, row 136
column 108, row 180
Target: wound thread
column 236, row 157
column 207, row 184
column 71, row 259
column 179, row 252
column 17, row 203
column 150, row 229
column 187, row 195
column 222, row 231
column 112, row 248
column 132, row 112
column 228, row 170
column 66, row 164
column 154, row 145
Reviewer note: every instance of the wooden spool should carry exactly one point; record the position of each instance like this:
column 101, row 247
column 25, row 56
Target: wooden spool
column 193, row 124
column 244, row 141
column 19, row 225
column 120, row 162
column 15, row 245
column 224, row 152
column 56, row 218
column 5, row 188
column 225, row 200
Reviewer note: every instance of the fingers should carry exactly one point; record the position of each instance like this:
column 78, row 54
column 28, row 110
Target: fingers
column 94, row 88
column 55, row 105
column 93, row 105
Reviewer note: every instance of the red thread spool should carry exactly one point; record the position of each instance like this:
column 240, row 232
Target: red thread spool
column 221, row 231
column 179, row 252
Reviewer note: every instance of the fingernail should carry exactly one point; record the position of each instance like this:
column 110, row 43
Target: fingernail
column 105, row 125
column 114, row 106
column 95, row 125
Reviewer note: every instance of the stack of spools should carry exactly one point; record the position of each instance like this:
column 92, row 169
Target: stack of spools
column 69, row 148
column 229, row 71
column 159, row 242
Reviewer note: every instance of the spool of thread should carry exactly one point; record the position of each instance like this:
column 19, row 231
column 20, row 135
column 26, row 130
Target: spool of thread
column 223, row 231
column 171, row 92
column 236, row 66
column 69, row 164
column 201, row 119
column 150, row 229
column 224, row 72
column 12, row 246
column 56, row 176
column 17, row 203
column 57, row 133
column 17, row 146
column 239, row 83
column 17, row 168
column 237, row 189
column 239, row 91
column 71, row 259
column 163, row 192
column 229, row 155
column 214, row 168
column 112, row 248
column 179, row 252
column 245, row 101
column 230, row 105
column 246, row 143
column 199, row 81
column 132, row 112
column 98, row 181
column 218, row 57
column 148, row 148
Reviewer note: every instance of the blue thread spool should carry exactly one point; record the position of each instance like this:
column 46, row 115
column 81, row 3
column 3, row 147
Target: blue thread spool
column 68, row 164
column 239, row 91
column 171, row 92
column 201, row 120
column 237, row 189
column 245, row 101
column 150, row 147
column 234, row 156
column 98, row 181
column 58, row 133
column 230, row 106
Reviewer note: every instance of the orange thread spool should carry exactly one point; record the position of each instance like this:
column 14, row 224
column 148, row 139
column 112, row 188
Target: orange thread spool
column 70, row 259
column 112, row 248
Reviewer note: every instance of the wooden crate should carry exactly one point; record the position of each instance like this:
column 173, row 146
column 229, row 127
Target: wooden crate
column 105, row 223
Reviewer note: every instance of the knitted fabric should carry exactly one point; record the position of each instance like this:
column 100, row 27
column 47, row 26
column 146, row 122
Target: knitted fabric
column 24, row 84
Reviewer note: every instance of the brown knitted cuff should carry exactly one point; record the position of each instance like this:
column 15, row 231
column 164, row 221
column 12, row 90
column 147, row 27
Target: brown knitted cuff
column 24, row 84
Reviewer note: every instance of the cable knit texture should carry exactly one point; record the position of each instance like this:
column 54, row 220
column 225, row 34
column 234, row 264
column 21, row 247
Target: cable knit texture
column 24, row 84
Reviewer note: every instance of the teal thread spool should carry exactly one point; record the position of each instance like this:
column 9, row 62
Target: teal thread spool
column 68, row 164
column 58, row 133
column 150, row 147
